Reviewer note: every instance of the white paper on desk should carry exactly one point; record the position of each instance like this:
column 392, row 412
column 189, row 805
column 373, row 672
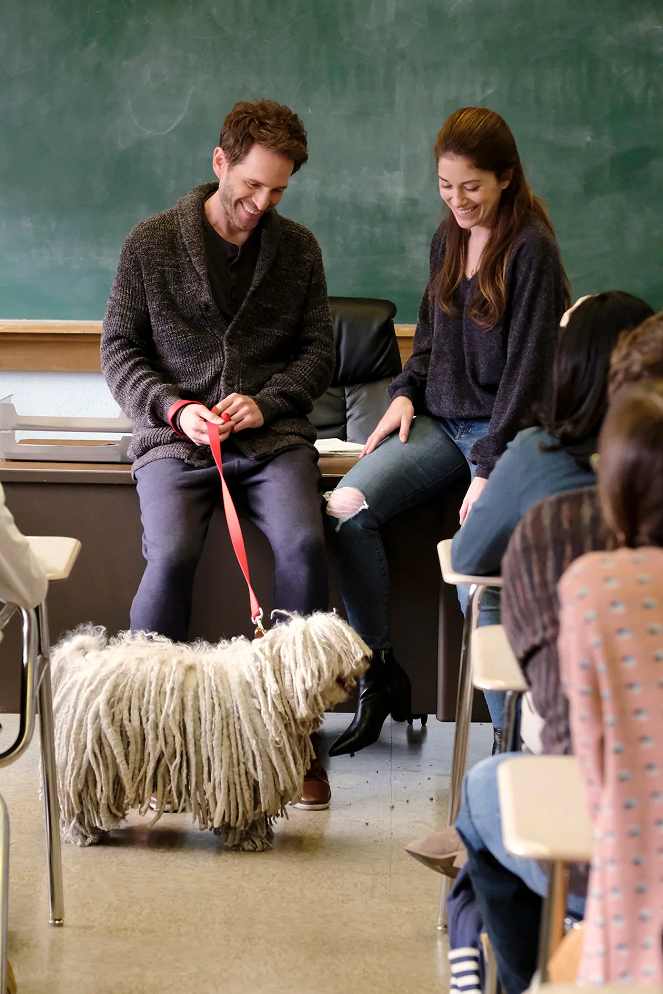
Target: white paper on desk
column 337, row 447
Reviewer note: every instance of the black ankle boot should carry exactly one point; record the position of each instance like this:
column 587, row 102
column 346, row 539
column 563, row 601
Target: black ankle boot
column 383, row 690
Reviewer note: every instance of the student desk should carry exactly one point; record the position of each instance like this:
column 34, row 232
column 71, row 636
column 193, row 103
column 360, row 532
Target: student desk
column 98, row 504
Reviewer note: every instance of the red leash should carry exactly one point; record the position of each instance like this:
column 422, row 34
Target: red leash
column 234, row 526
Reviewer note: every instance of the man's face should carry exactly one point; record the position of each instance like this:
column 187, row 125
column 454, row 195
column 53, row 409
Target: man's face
column 250, row 188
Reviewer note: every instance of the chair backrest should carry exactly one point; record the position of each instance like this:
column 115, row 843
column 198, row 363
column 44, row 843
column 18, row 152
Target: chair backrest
column 367, row 359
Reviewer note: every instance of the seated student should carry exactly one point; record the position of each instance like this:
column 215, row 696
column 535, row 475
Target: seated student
column 22, row 582
column 553, row 455
column 611, row 652
column 549, row 538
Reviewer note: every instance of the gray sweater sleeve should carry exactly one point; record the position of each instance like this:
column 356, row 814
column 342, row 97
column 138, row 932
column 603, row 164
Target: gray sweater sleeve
column 536, row 308
column 135, row 383
column 309, row 373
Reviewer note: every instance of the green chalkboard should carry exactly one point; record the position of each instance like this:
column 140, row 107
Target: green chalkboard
column 111, row 110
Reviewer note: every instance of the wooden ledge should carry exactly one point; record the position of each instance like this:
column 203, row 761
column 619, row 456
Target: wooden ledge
column 73, row 346
column 27, row 471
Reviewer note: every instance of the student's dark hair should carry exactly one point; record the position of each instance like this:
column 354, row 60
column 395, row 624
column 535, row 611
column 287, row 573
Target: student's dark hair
column 485, row 139
column 266, row 123
column 638, row 355
column 582, row 362
column 631, row 465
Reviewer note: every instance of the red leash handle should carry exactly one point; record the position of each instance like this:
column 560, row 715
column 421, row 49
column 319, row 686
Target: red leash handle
column 234, row 526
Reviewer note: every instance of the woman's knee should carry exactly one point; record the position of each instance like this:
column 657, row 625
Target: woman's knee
column 345, row 503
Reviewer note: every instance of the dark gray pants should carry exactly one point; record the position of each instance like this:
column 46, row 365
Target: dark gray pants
column 282, row 494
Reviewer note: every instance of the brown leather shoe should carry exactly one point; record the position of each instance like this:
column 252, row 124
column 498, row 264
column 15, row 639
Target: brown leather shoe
column 443, row 852
column 316, row 794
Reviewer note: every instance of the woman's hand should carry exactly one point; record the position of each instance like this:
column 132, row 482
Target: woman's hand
column 244, row 411
column 193, row 422
column 399, row 416
column 474, row 492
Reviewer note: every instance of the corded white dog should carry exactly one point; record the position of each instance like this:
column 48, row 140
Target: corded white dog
column 222, row 731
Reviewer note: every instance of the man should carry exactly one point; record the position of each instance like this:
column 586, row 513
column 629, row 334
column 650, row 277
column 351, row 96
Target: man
column 219, row 306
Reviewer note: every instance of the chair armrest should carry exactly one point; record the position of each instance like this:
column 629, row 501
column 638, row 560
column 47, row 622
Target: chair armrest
column 56, row 555
column 494, row 666
column 543, row 808
column 449, row 575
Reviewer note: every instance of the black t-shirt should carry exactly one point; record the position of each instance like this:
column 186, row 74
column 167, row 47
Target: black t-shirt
column 230, row 268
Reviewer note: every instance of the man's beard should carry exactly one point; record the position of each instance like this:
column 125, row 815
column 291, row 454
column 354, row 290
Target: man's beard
column 230, row 204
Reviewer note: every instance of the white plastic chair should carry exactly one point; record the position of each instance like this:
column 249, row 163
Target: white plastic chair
column 544, row 816
column 495, row 667
column 57, row 557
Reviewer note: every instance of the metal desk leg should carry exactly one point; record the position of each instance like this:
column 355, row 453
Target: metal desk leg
column 462, row 731
column 49, row 777
column 552, row 917
column 4, row 891
column 509, row 720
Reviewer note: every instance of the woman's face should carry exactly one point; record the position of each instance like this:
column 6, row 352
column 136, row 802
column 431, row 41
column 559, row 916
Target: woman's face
column 471, row 194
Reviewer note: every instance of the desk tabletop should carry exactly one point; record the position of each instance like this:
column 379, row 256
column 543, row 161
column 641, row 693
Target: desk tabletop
column 26, row 471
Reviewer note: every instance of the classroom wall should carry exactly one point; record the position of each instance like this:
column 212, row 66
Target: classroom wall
column 110, row 112
column 60, row 395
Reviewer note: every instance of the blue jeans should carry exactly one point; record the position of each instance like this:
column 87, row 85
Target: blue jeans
column 511, row 912
column 465, row 438
column 282, row 496
column 394, row 477
column 479, row 822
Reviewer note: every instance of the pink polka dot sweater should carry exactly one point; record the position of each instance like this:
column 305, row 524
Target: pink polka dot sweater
column 611, row 652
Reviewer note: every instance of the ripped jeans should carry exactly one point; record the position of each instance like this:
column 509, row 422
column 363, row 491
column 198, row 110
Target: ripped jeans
column 394, row 477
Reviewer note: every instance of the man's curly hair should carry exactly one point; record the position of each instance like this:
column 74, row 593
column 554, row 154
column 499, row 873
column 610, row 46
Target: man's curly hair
column 266, row 123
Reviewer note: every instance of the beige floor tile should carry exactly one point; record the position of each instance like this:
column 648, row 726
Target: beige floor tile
column 336, row 908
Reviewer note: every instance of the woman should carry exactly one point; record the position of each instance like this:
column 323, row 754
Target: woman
column 553, row 456
column 611, row 651
column 482, row 355
column 547, row 540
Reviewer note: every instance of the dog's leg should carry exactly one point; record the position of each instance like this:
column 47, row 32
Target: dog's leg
column 78, row 832
column 256, row 838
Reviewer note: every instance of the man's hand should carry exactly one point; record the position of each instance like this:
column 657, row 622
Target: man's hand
column 244, row 411
column 399, row 415
column 193, row 422
column 474, row 492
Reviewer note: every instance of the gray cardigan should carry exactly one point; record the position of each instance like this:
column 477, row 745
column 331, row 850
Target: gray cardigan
column 164, row 339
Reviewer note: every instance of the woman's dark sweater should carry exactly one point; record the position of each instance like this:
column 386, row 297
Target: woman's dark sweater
column 461, row 371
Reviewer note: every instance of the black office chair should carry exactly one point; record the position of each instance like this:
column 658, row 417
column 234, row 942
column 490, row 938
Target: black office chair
column 367, row 359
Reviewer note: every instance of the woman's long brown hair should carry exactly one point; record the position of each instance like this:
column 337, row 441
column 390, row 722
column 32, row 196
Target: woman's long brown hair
column 485, row 139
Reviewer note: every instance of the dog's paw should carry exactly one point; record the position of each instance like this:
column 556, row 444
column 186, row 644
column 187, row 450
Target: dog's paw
column 250, row 845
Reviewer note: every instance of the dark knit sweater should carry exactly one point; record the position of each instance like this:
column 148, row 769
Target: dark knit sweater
column 461, row 371
column 164, row 339
column 549, row 538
